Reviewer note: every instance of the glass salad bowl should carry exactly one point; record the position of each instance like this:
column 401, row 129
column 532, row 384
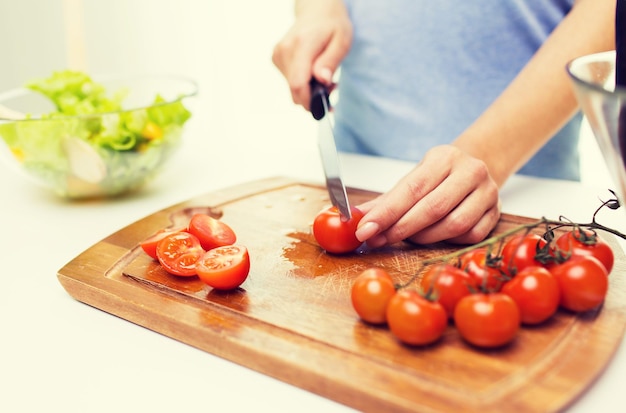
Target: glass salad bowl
column 85, row 138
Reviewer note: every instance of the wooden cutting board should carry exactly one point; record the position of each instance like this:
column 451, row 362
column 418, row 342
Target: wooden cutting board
column 292, row 318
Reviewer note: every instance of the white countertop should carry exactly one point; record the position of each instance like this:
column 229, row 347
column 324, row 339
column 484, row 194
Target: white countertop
column 57, row 354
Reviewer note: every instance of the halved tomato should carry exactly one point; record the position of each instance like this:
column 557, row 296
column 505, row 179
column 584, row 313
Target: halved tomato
column 211, row 232
column 149, row 245
column 179, row 252
column 224, row 268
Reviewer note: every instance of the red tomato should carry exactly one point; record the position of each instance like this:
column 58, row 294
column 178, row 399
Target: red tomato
column 179, row 252
column 448, row 284
column 149, row 245
column 536, row 293
column 370, row 294
column 224, row 268
column 485, row 269
column 487, row 320
column 582, row 242
column 583, row 282
column 334, row 234
column 211, row 232
column 415, row 320
column 519, row 252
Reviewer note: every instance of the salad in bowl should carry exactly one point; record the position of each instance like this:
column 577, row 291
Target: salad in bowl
column 86, row 138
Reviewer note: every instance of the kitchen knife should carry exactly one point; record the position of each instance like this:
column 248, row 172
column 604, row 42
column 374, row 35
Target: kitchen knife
column 320, row 109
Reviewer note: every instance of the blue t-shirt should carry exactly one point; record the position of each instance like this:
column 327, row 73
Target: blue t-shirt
column 419, row 72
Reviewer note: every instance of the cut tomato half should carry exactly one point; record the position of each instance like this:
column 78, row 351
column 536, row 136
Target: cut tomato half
column 179, row 252
column 224, row 268
column 211, row 232
column 149, row 245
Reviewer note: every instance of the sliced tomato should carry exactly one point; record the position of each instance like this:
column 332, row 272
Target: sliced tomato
column 179, row 252
column 149, row 245
column 224, row 268
column 211, row 232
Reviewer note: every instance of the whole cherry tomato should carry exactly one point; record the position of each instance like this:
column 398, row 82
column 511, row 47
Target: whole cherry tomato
column 224, row 268
column 584, row 242
column 448, row 285
column 211, row 232
column 519, row 252
column 536, row 292
column 333, row 233
column 487, row 319
column 179, row 252
column 370, row 295
column 484, row 267
column 415, row 320
column 583, row 281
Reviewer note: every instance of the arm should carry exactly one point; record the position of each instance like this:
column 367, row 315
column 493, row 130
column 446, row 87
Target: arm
column 540, row 100
column 453, row 193
column 314, row 45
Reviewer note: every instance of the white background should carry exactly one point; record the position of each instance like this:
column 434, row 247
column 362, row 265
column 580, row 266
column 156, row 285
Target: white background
column 224, row 45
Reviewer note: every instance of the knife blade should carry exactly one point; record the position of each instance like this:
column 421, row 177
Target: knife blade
column 320, row 109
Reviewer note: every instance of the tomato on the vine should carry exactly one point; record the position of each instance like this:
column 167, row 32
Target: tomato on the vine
column 487, row 319
column 179, row 252
column 484, row 267
column 224, row 268
column 414, row 319
column 583, row 281
column 370, row 295
column 448, row 285
column 149, row 245
column 584, row 242
column 335, row 234
column 211, row 232
column 536, row 292
column 520, row 252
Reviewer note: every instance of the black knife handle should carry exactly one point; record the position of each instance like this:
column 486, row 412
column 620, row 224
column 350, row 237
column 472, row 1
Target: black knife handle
column 319, row 93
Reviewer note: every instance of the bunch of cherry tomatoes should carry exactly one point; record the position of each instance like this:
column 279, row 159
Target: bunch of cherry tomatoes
column 488, row 295
column 205, row 248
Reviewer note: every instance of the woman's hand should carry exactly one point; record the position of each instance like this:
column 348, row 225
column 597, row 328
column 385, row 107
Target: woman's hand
column 314, row 46
column 449, row 196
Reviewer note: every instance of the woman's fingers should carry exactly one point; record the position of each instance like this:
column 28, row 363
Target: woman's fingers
column 448, row 196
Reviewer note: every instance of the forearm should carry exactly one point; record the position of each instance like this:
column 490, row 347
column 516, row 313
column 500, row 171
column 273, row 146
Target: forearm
column 540, row 100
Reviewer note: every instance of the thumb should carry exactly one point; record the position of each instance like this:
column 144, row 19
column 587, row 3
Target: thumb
column 328, row 61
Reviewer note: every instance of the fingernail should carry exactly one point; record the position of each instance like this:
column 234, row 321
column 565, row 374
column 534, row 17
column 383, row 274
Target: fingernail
column 325, row 75
column 366, row 231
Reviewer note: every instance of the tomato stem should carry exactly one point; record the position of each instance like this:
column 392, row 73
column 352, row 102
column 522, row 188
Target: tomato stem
column 550, row 225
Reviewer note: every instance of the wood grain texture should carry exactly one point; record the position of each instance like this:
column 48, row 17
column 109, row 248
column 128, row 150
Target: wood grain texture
column 292, row 319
